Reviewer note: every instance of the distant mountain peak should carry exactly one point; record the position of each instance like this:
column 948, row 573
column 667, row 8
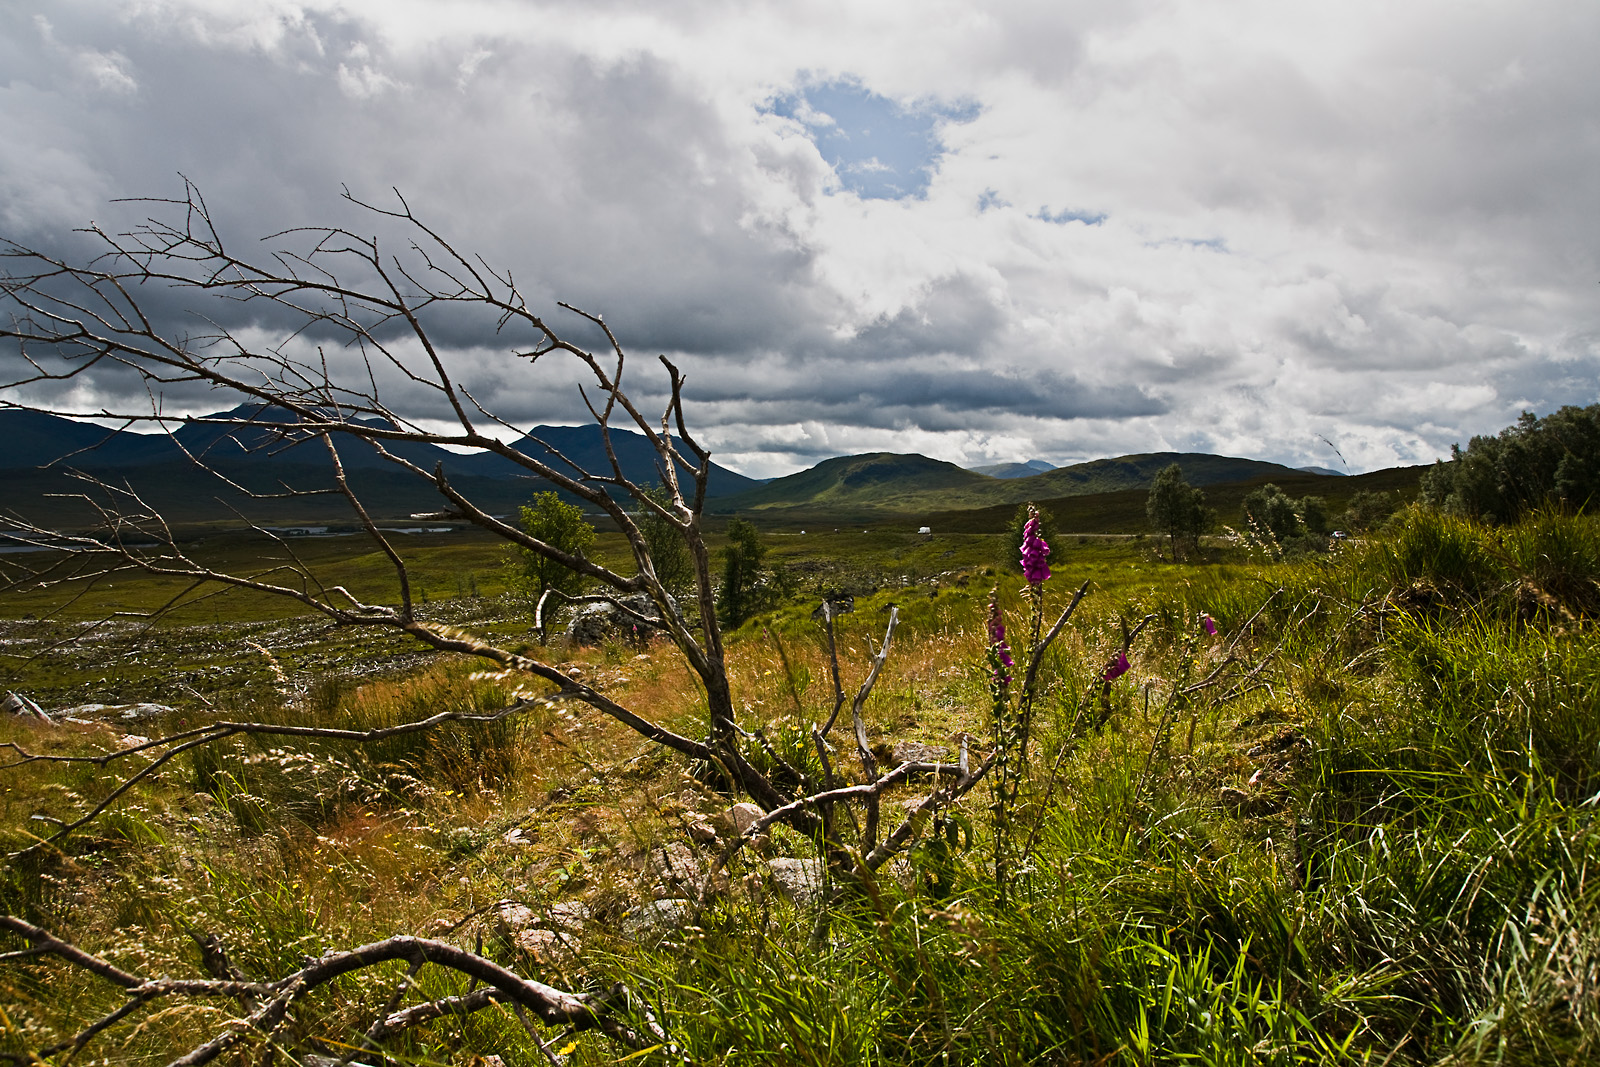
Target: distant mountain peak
column 1026, row 469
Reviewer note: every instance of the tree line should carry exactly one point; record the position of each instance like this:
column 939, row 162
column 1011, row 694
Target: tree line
column 1552, row 461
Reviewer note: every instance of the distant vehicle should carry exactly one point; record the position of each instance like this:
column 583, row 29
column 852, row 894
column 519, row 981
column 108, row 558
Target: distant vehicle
column 924, row 529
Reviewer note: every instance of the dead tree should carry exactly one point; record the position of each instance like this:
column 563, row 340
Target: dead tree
column 322, row 379
column 356, row 322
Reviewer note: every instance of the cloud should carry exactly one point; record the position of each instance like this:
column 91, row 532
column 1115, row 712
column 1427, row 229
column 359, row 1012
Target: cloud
column 1246, row 226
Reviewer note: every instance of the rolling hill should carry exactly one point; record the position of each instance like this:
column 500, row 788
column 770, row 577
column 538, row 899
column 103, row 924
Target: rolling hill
column 1122, row 511
column 42, row 451
column 885, row 484
column 878, row 481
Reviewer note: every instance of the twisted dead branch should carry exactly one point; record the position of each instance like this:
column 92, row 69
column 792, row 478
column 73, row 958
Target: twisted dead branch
column 552, row 1006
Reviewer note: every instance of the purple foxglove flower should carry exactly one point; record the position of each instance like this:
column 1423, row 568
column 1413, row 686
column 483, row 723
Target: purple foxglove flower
column 1034, row 550
column 999, row 652
column 1208, row 625
column 1116, row 668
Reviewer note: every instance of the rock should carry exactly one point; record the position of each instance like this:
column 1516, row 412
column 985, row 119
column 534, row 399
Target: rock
column 744, row 815
column 901, row 870
column 17, row 704
column 919, row 820
column 518, row 924
column 656, row 919
column 917, row 752
column 134, row 712
column 511, row 919
column 799, row 880
column 568, row 916
column 546, row 946
column 703, row 833
column 133, row 740
column 125, row 712
column 673, row 865
column 516, row 836
column 593, row 623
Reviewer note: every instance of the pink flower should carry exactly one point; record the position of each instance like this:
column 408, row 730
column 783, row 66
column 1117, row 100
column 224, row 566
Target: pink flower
column 1116, row 668
column 1034, row 550
column 1000, row 659
column 1208, row 625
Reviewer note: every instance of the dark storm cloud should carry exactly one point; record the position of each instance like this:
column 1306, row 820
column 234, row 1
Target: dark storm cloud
column 600, row 184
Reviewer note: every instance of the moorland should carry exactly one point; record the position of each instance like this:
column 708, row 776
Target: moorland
column 1353, row 825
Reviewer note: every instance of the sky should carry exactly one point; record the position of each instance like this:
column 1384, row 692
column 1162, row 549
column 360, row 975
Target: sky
column 1346, row 235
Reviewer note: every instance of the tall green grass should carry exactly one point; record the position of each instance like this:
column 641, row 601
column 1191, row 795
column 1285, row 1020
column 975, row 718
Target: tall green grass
column 1412, row 883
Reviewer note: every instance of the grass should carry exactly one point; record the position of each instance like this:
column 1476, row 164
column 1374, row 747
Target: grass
column 1372, row 841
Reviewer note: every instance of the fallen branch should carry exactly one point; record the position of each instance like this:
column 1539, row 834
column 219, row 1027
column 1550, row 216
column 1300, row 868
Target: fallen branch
column 876, row 857
column 552, row 1006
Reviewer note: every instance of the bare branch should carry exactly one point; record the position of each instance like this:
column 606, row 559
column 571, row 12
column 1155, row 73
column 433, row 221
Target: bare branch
column 552, row 1006
column 1049, row 639
column 43, row 940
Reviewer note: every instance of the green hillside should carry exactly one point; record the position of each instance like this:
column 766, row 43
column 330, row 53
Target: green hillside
column 884, row 485
column 879, row 481
column 1123, row 511
column 1137, row 472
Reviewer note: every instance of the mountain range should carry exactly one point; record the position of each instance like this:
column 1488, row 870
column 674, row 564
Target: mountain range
column 908, row 484
column 42, row 451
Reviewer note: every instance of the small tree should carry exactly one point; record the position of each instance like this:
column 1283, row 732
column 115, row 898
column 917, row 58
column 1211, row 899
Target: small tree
column 553, row 521
column 1367, row 510
column 1274, row 513
column 739, row 596
column 665, row 544
column 1177, row 509
column 1280, row 523
column 1314, row 514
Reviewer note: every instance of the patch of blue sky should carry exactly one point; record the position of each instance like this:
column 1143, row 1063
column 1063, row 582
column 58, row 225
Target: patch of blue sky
column 1061, row 218
column 880, row 149
column 1215, row 244
column 991, row 199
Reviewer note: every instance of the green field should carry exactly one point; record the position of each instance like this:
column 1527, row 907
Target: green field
column 1354, row 826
